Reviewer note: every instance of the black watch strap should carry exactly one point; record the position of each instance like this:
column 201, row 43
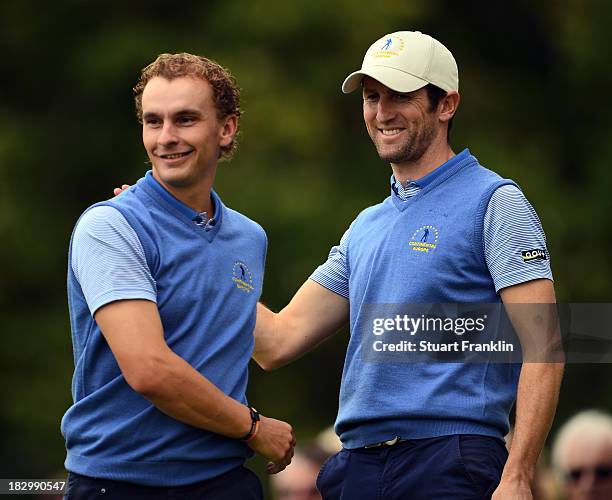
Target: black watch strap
column 254, row 420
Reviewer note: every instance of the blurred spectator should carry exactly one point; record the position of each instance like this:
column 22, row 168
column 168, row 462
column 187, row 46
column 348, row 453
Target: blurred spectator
column 329, row 441
column 298, row 480
column 582, row 456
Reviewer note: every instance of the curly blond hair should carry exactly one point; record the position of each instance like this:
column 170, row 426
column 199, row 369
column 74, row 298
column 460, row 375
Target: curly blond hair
column 226, row 93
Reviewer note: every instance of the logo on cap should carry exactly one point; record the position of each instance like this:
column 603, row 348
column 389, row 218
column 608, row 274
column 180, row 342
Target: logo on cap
column 392, row 46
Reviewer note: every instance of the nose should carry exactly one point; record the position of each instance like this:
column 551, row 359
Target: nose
column 167, row 135
column 384, row 110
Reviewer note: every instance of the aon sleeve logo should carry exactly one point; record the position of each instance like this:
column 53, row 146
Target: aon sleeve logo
column 536, row 254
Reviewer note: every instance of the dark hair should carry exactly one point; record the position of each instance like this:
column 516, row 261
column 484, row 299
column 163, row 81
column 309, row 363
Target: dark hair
column 435, row 95
column 225, row 92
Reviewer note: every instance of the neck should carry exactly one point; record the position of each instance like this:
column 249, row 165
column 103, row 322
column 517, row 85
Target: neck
column 195, row 195
column 435, row 156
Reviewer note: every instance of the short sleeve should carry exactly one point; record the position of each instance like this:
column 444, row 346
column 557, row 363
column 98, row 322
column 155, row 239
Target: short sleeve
column 514, row 241
column 334, row 273
column 108, row 259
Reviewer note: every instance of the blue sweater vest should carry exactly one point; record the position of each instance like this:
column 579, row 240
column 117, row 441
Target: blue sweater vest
column 388, row 264
column 208, row 284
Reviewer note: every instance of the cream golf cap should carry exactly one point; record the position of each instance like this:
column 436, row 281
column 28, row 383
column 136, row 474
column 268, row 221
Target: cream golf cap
column 405, row 61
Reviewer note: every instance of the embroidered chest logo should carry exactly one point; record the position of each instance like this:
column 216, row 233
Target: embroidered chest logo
column 425, row 239
column 242, row 277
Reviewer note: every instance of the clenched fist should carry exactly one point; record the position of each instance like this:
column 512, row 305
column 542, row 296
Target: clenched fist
column 275, row 441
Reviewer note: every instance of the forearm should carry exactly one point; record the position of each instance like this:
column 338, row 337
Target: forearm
column 531, row 308
column 184, row 394
column 537, row 397
column 181, row 392
column 313, row 314
column 280, row 337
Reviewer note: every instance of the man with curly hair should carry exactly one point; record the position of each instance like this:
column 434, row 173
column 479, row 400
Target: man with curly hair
column 163, row 284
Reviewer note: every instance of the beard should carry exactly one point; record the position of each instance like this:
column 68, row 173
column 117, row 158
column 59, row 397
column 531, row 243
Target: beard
column 418, row 139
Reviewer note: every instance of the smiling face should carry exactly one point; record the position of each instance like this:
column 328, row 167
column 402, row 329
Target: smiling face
column 181, row 131
column 402, row 126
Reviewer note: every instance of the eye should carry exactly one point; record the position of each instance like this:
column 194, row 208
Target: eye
column 370, row 97
column 152, row 122
column 186, row 120
column 401, row 97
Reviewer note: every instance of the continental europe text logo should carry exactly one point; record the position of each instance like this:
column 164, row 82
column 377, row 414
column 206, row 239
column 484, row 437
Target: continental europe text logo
column 242, row 277
column 425, row 239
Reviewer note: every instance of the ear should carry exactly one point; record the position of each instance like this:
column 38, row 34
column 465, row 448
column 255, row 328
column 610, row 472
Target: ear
column 227, row 132
column 448, row 105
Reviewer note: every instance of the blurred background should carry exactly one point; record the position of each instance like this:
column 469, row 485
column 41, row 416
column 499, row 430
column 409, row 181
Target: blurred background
column 534, row 79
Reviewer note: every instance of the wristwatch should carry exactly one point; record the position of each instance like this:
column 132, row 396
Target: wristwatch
column 254, row 425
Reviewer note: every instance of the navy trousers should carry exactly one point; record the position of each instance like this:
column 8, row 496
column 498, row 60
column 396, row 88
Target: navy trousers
column 458, row 467
column 237, row 484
